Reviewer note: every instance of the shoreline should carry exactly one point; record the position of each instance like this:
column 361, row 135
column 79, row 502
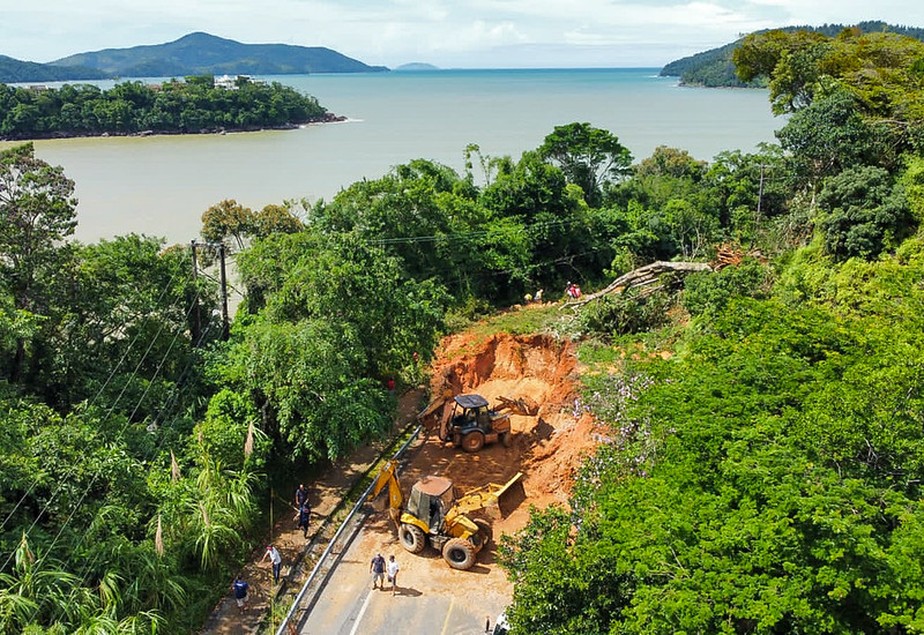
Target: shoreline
column 326, row 118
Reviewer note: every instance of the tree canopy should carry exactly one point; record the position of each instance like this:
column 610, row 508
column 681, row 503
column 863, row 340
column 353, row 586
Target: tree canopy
column 189, row 106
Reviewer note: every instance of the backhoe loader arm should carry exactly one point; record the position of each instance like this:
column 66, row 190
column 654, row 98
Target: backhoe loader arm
column 435, row 404
column 386, row 477
column 522, row 406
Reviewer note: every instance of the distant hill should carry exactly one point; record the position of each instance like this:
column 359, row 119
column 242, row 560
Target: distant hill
column 13, row 70
column 714, row 67
column 417, row 66
column 201, row 54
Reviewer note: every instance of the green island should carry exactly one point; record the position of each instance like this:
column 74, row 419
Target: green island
column 197, row 105
column 761, row 469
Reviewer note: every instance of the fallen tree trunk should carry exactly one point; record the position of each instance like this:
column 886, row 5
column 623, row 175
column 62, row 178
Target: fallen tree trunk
column 642, row 276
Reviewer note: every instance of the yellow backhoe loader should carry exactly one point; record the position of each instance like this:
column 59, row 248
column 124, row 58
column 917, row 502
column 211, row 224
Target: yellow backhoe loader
column 433, row 513
column 470, row 423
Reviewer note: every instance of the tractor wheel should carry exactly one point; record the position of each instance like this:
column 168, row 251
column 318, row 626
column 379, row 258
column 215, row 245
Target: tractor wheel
column 473, row 441
column 484, row 527
column 459, row 553
column 412, row 538
column 506, row 438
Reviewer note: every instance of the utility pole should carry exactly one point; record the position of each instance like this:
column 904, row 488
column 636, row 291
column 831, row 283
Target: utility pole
column 760, row 195
column 225, row 326
column 223, row 282
column 197, row 315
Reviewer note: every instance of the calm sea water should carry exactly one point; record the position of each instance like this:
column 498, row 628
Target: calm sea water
column 161, row 185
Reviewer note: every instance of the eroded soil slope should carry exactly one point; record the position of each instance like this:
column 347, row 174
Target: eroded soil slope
column 547, row 449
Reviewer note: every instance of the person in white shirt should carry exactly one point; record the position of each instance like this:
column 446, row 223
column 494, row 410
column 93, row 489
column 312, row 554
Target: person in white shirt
column 273, row 554
column 393, row 573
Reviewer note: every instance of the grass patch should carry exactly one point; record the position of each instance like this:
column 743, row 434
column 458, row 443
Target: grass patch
column 596, row 353
column 522, row 321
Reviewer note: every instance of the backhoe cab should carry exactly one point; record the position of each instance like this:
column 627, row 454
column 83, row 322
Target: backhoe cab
column 473, row 424
column 434, row 514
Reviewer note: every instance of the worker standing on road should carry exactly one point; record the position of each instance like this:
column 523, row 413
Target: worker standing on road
column 273, row 554
column 393, row 573
column 377, row 568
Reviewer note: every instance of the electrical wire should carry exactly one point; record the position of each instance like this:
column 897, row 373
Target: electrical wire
column 88, row 567
column 92, row 401
column 112, row 407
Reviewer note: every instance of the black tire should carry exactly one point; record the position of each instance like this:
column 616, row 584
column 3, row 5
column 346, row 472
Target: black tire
column 412, row 538
column 484, row 527
column 459, row 553
column 473, row 441
column 507, row 439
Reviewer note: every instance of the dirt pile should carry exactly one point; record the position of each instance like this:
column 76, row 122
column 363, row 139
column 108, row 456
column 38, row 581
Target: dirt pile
column 547, row 448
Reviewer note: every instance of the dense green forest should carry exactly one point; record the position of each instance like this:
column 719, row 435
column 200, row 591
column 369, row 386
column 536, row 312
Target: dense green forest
column 764, row 477
column 190, row 106
column 715, row 68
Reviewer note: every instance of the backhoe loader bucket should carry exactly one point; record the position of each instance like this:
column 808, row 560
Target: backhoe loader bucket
column 495, row 501
column 511, row 495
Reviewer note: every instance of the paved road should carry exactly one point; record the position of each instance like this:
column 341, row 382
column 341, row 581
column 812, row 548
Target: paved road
column 444, row 602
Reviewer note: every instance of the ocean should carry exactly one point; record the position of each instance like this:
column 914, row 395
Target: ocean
column 160, row 185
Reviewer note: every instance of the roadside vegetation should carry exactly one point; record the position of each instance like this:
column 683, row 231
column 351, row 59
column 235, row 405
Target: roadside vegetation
column 767, row 455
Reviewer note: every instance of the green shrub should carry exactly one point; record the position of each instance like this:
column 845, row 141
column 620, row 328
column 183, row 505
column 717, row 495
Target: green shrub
column 629, row 312
column 709, row 293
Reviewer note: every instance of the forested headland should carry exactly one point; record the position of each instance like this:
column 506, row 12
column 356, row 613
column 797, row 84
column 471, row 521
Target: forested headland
column 195, row 105
column 763, row 467
column 714, row 68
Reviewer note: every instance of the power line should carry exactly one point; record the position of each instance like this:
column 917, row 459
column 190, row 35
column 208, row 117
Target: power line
column 108, row 414
column 99, row 392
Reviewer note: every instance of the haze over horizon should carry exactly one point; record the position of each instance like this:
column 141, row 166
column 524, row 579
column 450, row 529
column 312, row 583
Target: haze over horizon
column 445, row 33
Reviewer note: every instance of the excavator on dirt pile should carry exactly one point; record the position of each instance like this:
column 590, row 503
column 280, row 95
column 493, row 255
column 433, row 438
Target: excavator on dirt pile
column 471, row 423
column 434, row 514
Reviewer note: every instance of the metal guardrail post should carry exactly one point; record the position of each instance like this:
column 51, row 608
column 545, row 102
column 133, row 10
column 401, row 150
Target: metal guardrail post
column 333, row 541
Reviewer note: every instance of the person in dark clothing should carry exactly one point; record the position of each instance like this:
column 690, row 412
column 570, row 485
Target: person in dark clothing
column 304, row 515
column 240, row 588
column 301, row 495
column 377, row 569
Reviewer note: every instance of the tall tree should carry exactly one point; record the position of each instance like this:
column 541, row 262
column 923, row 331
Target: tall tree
column 590, row 157
column 228, row 219
column 826, row 137
column 37, row 212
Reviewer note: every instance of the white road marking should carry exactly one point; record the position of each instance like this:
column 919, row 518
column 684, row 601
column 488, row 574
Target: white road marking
column 452, row 601
column 362, row 611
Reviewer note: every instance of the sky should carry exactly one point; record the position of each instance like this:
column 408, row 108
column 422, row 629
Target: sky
column 445, row 33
